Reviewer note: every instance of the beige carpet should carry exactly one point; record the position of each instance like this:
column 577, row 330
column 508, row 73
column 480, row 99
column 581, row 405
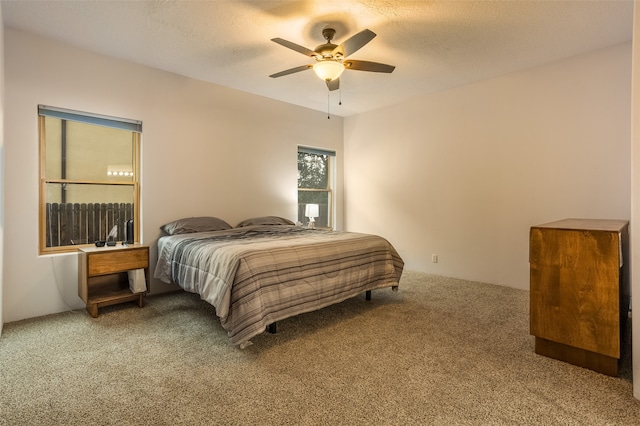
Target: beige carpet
column 439, row 352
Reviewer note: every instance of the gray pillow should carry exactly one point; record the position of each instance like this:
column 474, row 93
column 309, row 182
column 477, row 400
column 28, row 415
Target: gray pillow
column 189, row 225
column 265, row 220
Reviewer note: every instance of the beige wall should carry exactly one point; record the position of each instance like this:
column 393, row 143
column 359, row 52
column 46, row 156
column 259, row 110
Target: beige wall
column 91, row 151
column 206, row 150
column 465, row 173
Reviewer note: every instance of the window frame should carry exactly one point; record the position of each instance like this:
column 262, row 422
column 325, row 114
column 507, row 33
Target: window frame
column 94, row 119
column 331, row 177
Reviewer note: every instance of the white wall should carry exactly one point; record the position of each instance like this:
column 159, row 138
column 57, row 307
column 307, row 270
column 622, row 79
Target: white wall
column 465, row 173
column 206, row 150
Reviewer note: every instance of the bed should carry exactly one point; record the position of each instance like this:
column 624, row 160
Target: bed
column 267, row 269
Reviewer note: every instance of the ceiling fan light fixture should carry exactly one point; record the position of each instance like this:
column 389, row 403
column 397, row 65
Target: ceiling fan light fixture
column 328, row 69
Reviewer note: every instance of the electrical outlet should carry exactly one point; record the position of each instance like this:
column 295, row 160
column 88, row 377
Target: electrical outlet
column 434, row 258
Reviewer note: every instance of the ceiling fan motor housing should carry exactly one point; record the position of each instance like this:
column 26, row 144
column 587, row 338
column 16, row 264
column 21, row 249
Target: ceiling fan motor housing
column 325, row 50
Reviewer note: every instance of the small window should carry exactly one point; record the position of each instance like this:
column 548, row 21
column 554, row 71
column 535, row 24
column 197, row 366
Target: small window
column 89, row 178
column 316, row 178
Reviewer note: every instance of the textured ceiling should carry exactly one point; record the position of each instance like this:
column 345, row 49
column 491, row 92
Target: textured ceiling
column 435, row 45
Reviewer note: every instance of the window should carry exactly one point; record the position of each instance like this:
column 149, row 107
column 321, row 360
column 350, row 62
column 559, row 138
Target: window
column 89, row 178
column 315, row 186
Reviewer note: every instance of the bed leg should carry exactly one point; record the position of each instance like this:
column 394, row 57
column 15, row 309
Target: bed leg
column 271, row 328
column 367, row 295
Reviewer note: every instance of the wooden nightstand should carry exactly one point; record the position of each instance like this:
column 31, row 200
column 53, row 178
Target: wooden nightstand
column 102, row 275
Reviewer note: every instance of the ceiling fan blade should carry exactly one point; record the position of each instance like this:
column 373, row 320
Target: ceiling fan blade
column 296, row 47
column 354, row 43
column 291, row 71
column 368, row 66
column 333, row 84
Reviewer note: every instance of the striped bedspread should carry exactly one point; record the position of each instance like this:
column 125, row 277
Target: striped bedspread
column 257, row 275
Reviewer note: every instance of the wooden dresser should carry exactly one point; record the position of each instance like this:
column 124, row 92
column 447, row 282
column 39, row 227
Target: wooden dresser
column 579, row 278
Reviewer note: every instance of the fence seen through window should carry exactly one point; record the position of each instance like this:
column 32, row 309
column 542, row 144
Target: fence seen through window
column 89, row 180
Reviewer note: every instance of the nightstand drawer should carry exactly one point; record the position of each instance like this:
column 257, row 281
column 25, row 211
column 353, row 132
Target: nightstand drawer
column 109, row 262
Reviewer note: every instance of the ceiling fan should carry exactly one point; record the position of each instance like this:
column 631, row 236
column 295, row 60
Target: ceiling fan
column 331, row 59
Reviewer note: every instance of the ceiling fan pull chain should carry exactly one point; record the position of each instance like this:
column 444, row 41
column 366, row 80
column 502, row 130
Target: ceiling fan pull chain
column 328, row 104
column 340, row 94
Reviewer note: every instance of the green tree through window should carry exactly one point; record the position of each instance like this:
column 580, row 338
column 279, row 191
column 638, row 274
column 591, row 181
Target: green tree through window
column 315, row 181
